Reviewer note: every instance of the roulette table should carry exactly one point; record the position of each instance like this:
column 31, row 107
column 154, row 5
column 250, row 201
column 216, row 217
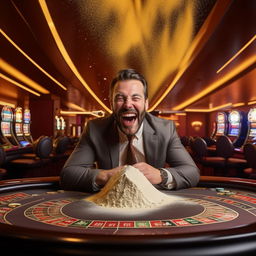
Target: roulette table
column 218, row 217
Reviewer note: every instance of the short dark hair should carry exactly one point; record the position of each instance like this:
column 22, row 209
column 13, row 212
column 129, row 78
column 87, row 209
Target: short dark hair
column 128, row 74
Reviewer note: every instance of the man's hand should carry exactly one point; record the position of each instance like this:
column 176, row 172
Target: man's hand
column 151, row 173
column 104, row 175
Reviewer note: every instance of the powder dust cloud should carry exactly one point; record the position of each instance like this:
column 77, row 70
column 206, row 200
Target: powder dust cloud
column 152, row 36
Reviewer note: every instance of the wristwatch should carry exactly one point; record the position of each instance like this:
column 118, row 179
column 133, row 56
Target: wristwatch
column 164, row 176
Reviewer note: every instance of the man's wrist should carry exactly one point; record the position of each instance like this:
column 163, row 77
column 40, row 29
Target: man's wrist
column 164, row 176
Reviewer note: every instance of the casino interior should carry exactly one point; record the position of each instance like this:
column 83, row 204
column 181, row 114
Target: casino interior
column 56, row 65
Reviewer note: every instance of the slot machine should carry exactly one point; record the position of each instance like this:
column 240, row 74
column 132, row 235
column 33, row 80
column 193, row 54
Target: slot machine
column 251, row 135
column 62, row 125
column 26, row 125
column 18, row 128
column 237, row 128
column 221, row 125
column 7, row 137
column 57, row 127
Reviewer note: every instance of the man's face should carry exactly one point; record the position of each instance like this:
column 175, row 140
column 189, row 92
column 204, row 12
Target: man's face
column 129, row 105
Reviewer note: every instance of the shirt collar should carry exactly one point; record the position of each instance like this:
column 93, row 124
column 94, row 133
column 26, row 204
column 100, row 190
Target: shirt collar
column 123, row 137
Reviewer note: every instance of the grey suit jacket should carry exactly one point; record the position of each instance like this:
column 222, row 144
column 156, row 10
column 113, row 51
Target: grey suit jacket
column 99, row 144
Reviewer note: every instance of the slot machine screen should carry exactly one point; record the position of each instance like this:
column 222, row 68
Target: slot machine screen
column 26, row 129
column 221, row 122
column 234, row 131
column 234, row 123
column 220, row 128
column 252, row 132
column 6, row 128
column 18, row 129
column 27, row 116
column 7, row 114
column 252, row 122
column 18, row 115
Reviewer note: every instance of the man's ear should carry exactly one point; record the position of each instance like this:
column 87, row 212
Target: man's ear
column 146, row 104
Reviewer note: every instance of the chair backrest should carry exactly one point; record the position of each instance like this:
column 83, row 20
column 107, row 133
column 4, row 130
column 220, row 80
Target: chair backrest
column 224, row 147
column 2, row 156
column 61, row 145
column 43, row 146
column 209, row 141
column 185, row 141
column 199, row 147
column 250, row 154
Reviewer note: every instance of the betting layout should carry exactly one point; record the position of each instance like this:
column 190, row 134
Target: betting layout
column 216, row 206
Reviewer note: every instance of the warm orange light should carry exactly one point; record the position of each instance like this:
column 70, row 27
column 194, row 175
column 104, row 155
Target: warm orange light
column 180, row 114
column 31, row 60
column 18, row 84
column 3, row 103
column 251, row 102
column 238, row 104
column 196, row 123
column 99, row 113
column 236, row 70
column 22, row 77
column 65, row 54
column 208, row 109
column 239, row 52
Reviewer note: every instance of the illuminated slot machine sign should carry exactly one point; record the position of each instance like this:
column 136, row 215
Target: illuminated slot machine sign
column 58, row 123
column 26, row 125
column 221, row 123
column 7, row 118
column 234, row 124
column 7, row 137
column 252, row 125
column 18, row 117
column 62, row 123
column 238, row 128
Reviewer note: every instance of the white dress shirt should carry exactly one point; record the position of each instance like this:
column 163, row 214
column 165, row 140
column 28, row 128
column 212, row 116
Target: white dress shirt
column 140, row 153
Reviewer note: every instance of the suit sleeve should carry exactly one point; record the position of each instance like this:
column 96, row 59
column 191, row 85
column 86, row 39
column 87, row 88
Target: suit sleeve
column 79, row 172
column 182, row 166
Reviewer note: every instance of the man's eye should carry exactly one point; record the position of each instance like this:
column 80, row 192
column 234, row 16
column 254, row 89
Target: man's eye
column 137, row 98
column 119, row 98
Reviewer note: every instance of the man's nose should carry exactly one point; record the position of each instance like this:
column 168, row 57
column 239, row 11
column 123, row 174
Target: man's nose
column 128, row 102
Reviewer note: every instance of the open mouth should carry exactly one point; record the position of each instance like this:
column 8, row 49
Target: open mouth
column 128, row 119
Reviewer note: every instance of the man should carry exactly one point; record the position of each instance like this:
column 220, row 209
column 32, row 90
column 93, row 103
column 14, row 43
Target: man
column 104, row 143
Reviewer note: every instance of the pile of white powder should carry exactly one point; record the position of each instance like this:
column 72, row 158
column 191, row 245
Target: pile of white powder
column 129, row 188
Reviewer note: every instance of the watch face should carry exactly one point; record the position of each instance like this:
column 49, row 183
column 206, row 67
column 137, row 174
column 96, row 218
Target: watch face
column 164, row 176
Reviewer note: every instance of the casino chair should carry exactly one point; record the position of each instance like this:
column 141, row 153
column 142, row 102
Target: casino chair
column 60, row 153
column 33, row 163
column 3, row 172
column 225, row 149
column 61, row 145
column 186, row 142
column 208, row 165
column 250, row 156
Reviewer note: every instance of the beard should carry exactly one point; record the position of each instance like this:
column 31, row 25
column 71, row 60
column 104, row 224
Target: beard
column 129, row 120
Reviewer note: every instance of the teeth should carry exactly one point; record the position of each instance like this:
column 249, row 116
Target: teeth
column 129, row 115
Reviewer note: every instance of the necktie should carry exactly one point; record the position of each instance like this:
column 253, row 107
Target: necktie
column 131, row 154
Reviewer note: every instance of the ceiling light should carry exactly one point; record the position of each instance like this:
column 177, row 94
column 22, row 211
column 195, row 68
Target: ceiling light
column 216, row 84
column 65, row 54
column 18, row 84
column 208, row 109
column 251, row 102
column 22, row 77
column 99, row 113
column 31, row 60
column 3, row 103
column 238, row 104
column 239, row 52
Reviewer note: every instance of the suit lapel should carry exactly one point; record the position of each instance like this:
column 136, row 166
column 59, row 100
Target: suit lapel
column 150, row 143
column 113, row 144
